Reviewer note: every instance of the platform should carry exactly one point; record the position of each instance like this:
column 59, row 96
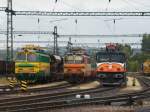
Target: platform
column 130, row 86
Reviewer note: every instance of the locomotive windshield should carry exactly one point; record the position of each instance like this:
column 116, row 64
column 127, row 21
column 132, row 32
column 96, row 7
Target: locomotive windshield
column 26, row 57
column 110, row 57
column 31, row 57
column 73, row 59
column 21, row 57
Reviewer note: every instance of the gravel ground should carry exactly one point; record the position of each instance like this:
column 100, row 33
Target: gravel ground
column 96, row 109
column 3, row 81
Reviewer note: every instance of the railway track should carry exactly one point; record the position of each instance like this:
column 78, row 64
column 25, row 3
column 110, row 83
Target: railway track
column 46, row 102
column 127, row 99
column 35, row 101
column 144, row 80
column 53, row 100
column 5, row 90
column 48, row 105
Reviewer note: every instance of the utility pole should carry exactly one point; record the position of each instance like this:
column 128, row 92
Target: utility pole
column 10, row 14
column 69, row 45
column 55, row 41
column 9, row 44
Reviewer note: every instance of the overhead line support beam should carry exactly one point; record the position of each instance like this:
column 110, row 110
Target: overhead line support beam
column 2, row 8
column 46, row 13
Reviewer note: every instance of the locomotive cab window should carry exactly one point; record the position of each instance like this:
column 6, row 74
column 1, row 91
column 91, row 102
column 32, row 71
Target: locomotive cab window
column 73, row 59
column 21, row 57
column 69, row 59
column 78, row 59
column 104, row 57
column 118, row 57
column 32, row 57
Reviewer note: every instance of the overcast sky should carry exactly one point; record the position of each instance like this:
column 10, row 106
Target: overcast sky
column 85, row 25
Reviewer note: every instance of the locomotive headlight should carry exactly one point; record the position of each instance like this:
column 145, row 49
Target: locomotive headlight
column 119, row 76
column 101, row 75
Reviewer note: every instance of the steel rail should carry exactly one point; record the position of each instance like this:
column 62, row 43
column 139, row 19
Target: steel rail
column 46, row 97
column 144, row 80
column 8, row 91
column 130, row 98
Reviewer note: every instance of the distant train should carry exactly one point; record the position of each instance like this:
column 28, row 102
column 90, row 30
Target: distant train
column 34, row 64
column 146, row 68
column 77, row 66
column 111, row 66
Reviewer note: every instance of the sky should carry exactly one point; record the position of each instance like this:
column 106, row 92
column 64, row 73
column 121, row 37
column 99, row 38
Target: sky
column 84, row 25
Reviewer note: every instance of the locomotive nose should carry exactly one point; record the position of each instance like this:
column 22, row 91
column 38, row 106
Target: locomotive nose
column 74, row 68
column 26, row 68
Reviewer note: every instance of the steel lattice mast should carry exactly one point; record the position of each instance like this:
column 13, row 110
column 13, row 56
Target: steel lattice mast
column 9, row 43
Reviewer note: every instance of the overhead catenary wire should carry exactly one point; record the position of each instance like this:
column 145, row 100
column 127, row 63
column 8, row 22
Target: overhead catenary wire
column 56, row 1
column 136, row 2
column 68, row 5
column 131, row 4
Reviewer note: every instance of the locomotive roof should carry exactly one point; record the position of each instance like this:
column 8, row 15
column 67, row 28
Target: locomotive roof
column 76, row 54
column 104, row 52
column 34, row 51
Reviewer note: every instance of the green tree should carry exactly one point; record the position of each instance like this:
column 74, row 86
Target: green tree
column 133, row 66
column 146, row 42
column 126, row 49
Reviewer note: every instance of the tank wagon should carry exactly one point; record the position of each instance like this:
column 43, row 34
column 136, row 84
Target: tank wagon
column 77, row 66
column 35, row 64
column 111, row 66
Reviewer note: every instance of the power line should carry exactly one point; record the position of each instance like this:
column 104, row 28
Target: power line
column 66, row 42
column 71, row 35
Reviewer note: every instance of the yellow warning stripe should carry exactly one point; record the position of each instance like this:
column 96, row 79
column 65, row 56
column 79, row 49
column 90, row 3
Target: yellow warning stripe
column 11, row 85
column 24, row 89
column 24, row 82
column 24, row 85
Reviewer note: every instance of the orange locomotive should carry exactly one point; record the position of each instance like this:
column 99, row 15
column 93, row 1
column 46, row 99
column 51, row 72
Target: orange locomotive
column 77, row 66
column 111, row 66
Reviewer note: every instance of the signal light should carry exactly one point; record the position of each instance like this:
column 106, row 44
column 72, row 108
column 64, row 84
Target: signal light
column 118, row 76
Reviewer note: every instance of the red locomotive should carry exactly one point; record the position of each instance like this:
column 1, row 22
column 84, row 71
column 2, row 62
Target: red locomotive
column 111, row 66
column 77, row 66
